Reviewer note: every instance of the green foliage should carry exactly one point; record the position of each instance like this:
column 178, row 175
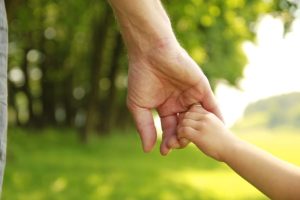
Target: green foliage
column 67, row 65
column 213, row 32
column 273, row 112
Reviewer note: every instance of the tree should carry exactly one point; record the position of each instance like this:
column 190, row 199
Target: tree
column 67, row 63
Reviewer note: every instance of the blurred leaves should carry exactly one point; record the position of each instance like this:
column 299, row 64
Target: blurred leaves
column 213, row 31
column 68, row 67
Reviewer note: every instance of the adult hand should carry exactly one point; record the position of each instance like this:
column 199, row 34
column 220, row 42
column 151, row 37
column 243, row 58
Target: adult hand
column 162, row 75
column 168, row 80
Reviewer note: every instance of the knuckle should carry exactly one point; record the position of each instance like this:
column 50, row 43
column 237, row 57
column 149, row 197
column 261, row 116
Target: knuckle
column 186, row 122
column 129, row 105
column 201, row 125
column 185, row 130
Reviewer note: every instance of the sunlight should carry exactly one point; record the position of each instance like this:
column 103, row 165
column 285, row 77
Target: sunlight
column 157, row 125
column 220, row 184
column 273, row 68
column 104, row 191
column 59, row 184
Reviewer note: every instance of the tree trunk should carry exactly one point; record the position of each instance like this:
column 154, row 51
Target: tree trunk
column 12, row 90
column 107, row 105
column 48, row 90
column 67, row 100
column 26, row 87
column 11, row 5
column 98, row 41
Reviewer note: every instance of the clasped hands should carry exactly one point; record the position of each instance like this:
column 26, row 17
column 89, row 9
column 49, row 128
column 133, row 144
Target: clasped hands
column 168, row 80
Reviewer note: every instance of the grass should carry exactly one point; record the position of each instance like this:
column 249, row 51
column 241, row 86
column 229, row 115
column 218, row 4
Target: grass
column 54, row 165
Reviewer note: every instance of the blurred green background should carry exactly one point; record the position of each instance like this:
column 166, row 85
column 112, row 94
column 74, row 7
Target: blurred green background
column 70, row 134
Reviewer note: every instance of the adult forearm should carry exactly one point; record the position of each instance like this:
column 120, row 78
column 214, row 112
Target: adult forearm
column 275, row 178
column 144, row 24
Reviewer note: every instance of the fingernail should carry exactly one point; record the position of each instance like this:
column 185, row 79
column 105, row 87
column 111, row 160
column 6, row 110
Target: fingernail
column 166, row 152
column 146, row 148
column 183, row 142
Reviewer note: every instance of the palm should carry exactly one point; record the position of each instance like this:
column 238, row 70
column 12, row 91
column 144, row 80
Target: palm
column 170, row 84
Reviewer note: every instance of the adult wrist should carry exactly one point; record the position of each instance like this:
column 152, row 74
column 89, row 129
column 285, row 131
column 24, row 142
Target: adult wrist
column 144, row 25
column 142, row 39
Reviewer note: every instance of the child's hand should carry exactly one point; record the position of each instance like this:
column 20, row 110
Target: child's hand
column 206, row 131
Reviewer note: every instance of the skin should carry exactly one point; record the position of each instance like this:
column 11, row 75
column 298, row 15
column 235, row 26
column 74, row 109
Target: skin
column 161, row 75
column 275, row 178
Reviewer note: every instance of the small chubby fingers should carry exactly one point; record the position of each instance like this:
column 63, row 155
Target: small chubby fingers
column 192, row 115
column 187, row 132
column 195, row 124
